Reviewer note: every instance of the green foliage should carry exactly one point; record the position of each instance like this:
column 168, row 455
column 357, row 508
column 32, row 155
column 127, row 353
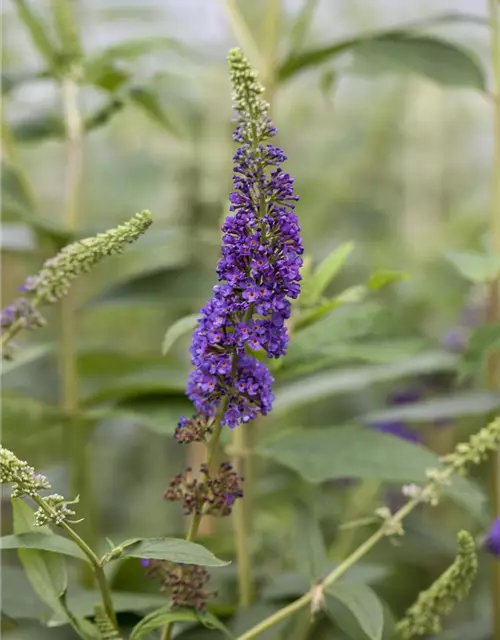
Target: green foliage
column 476, row 267
column 45, row 570
column 397, row 50
column 162, row 616
column 351, row 451
column 356, row 610
column 171, row 549
column 310, row 552
column 42, row 542
column 179, row 328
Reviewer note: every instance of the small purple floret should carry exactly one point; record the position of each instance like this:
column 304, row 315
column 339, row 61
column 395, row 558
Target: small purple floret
column 493, row 540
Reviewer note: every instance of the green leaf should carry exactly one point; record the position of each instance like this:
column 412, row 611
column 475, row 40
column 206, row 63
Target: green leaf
column 157, row 414
column 38, row 33
column 42, row 542
column 352, row 294
column 383, row 277
column 127, row 50
column 248, row 617
column 151, row 105
column 26, row 356
column 330, row 453
column 483, row 342
column 326, row 335
column 114, row 375
column 453, row 66
column 428, row 56
column 45, row 570
column 66, row 27
column 103, row 115
column 309, row 546
column 20, row 601
column 329, row 383
column 82, row 602
column 325, row 272
column 356, row 610
column 171, row 549
column 459, row 405
column 184, row 325
column 153, row 252
column 162, row 616
column 475, row 267
column 302, row 24
column 39, row 127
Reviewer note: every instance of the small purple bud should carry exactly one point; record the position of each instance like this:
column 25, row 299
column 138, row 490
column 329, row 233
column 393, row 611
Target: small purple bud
column 145, row 562
column 493, row 539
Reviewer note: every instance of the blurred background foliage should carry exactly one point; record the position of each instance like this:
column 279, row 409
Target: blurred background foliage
column 388, row 135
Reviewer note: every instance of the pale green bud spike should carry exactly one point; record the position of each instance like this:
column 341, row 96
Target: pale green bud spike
column 424, row 617
column 247, row 90
column 476, row 449
column 56, row 275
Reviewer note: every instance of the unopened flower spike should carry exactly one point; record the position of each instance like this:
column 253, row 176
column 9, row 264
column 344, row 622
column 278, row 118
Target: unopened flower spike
column 56, row 275
column 424, row 617
column 258, row 273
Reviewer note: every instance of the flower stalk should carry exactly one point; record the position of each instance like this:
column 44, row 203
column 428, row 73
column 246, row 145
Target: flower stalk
column 259, row 275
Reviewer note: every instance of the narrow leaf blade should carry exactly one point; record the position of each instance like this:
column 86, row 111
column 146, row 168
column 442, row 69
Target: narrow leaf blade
column 356, row 610
column 171, row 549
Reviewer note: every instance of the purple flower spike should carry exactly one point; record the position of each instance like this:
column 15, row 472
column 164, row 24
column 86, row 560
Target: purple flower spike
column 258, row 271
column 493, row 539
column 398, row 429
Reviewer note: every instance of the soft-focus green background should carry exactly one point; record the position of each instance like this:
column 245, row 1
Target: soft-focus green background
column 395, row 162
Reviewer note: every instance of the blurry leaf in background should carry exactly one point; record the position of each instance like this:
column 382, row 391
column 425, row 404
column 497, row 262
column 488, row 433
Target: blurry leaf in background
column 482, row 343
column 171, row 549
column 159, row 618
column 38, row 33
column 184, row 325
column 456, row 405
column 45, row 570
column 475, row 267
column 108, row 375
column 309, row 547
column 329, row 383
column 147, row 100
column 356, row 610
column 350, row 295
column 321, row 454
column 128, row 50
column 382, row 277
column 443, row 62
column 42, row 542
column 19, row 601
column 157, row 414
column 325, row 272
column 302, row 24
column 154, row 252
column 429, row 56
column 248, row 617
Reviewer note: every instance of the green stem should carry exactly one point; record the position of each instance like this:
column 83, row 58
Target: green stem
column 95, row 563
column 242, row 516
column 80, row 472
column 211, row 451
column 494, row 306
column 342, row 568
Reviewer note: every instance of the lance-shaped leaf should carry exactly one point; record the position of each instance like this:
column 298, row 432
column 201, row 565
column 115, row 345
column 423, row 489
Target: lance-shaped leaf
column 170, row 549
column 356, row 610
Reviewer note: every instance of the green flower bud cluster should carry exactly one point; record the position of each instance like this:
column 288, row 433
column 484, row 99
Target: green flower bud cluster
column 26, row 482
column 424, row 617
column 476, row 449
column 57, row 273
column 59, row 511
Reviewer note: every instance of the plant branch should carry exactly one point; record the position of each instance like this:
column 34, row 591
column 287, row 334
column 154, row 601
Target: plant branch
column 494, row 298
column 94, row 561
column 351, row 560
